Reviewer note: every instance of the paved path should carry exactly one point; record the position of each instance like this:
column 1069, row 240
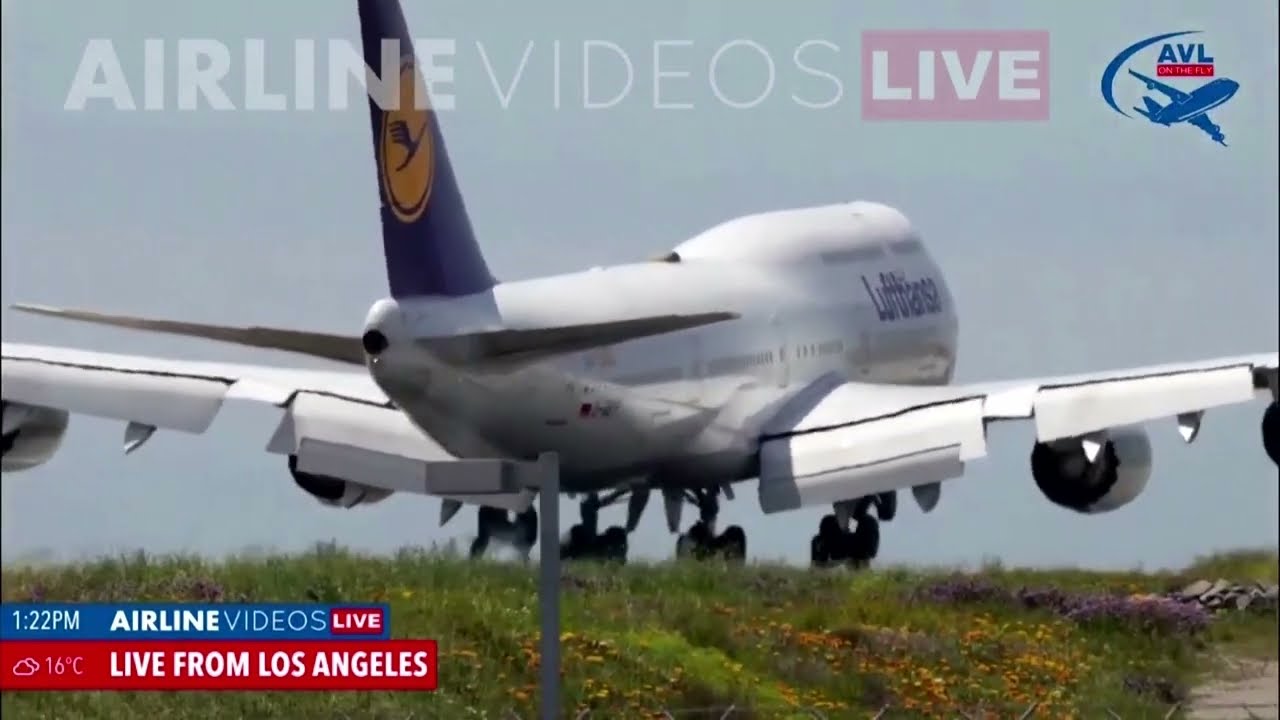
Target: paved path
column 1249, row 692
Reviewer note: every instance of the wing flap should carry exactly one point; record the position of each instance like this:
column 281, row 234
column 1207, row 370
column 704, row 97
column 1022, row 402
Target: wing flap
column 332, row 436
column 842, row 441
column 187, row 404
column 337, row 423
column 821, row 460
column 1079, row 409
column 780, row 494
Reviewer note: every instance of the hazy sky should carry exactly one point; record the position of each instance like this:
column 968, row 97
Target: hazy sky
column 1085, row 242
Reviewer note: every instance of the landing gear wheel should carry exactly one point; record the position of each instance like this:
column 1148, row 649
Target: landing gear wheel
column 700, row 544
column 733, row 544
column 613, row 545
column 527, row 527
column 693, row 544
column 579, row 539
column 487, row 521
column 864, row 542
column 1271, row 431
column 819, row 553
column 582, row 545
column 834, row 546
column 826, row 547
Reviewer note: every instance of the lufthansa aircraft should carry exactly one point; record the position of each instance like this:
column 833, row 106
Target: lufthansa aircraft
column 810, row 350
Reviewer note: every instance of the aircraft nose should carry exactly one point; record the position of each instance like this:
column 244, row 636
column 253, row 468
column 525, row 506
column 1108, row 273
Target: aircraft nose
column 1231, row 86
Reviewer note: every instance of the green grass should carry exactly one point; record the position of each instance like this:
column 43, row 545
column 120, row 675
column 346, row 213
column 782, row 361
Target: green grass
column 642, row 637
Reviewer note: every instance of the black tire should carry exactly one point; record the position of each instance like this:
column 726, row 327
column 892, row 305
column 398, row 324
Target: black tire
column 829, row 528
column 700, row 541
column 733, row 544
column 864, row 542
column 613, row 544
column 819, row 552
column 488, row 517
column 527, row 524
column 1271, row 431
column 577, row 544
column 478, row 547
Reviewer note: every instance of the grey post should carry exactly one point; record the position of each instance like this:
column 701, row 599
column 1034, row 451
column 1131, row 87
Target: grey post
column 549, row 582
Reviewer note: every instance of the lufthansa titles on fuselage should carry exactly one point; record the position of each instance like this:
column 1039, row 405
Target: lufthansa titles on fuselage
column 898, row 297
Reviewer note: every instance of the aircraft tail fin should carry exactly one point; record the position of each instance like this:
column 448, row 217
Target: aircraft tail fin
column 426, row 234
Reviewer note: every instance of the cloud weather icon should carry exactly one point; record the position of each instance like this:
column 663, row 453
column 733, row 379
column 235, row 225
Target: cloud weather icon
column 26, row 667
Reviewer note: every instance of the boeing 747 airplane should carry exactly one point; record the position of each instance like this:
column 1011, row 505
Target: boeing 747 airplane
column 1192, row 108
column 808, row 350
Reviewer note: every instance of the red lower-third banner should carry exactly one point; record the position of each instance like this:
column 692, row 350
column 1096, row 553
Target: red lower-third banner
column 218, row 665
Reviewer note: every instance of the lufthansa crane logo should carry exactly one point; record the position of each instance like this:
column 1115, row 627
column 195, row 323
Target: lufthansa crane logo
column 407, row 152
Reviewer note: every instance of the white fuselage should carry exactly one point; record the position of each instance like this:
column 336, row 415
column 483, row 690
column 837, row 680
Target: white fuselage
column 846, row 289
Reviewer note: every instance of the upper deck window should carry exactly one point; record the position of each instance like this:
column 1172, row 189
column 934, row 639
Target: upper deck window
column 857, row 254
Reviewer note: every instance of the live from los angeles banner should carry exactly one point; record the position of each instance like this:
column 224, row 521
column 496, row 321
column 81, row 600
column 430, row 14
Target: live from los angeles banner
column 170, row 646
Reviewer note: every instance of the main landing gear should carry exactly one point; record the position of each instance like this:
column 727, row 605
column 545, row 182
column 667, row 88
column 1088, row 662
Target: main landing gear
column 587, row 542
column 702, row 542
column 835, row 544
column 493, row 524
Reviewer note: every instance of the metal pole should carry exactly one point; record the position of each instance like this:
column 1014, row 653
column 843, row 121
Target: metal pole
column 549, row 582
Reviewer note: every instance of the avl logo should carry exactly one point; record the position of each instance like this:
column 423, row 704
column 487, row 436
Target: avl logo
column 1183, row 95
column 980, row 75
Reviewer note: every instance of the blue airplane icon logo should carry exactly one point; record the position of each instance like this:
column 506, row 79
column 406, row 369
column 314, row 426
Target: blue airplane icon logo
column 1192, row 108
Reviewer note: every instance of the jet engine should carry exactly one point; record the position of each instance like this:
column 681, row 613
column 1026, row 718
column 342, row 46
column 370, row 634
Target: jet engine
column 31, row 435
column 1271, row 431
column 335, row 492
column 1115, row 476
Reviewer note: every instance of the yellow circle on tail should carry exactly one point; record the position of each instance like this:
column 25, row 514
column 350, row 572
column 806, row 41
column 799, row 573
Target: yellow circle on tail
column 407, row 147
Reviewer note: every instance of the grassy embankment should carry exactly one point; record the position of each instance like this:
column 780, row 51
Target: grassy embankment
column 681, row 636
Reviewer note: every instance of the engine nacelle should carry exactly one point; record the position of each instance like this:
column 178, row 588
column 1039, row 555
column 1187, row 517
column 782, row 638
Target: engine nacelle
column 31, row 435
column 1271, row 431
column 335, row 492
column 1117, row 475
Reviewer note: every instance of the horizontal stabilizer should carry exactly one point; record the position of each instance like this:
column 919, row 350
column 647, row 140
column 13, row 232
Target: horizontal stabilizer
column 340, row 348
column 1152, row 107
column 516, row 346
column 499, row 347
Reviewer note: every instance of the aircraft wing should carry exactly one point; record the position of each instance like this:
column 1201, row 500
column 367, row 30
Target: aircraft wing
column 841, row 441
column 1203, row 122
column 334, row 421
column 1174, row 93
